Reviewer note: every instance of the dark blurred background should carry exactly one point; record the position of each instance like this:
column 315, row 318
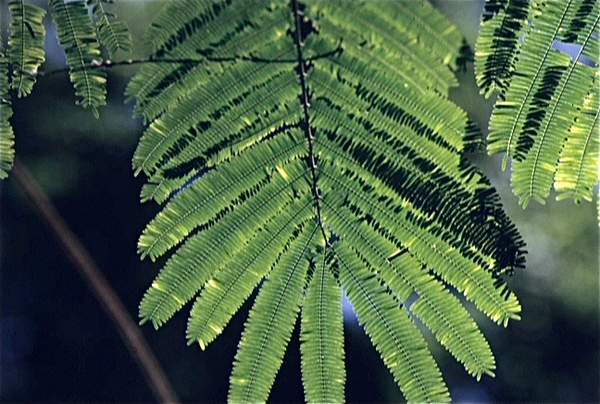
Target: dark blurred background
column 57, row 345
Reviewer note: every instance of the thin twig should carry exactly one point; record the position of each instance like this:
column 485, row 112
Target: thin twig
column 205, row 58
column 86, row 267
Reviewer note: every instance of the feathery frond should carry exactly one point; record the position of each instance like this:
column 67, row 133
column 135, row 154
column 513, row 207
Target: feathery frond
column 77, row 36
column 532, row 119
column 25, row 44
column 313, row 145
column 112, row 33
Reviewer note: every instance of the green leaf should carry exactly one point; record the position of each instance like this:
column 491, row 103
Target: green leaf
column 112, row 33
column 270, row 324
column 7, row 136
column 25, row 44
column 231, row 286
column 531, row 121
column 435, row 306
column 392, row 331
column 322, row 336
column 497, row 47
column 284, row 138
column 77, row 36
column 577, row 171
column 224, row 237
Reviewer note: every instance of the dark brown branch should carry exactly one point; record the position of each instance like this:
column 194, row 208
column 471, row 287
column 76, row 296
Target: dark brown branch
column 86, row 267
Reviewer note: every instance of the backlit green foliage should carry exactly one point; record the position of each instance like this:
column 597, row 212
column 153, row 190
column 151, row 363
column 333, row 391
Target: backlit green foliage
column 544, row 118
column 312, row 147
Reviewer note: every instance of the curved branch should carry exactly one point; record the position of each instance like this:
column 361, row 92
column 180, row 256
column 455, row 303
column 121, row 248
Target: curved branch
column 111, row 304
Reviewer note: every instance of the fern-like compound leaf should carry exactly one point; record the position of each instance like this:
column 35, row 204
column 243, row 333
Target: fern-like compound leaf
column 313, row 146
column 532, row 120
column 25, row 44
column 112, row 33
column 77, row 36
column 7, row 136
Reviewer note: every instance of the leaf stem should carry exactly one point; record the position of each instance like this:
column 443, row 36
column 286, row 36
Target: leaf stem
column 296, row 14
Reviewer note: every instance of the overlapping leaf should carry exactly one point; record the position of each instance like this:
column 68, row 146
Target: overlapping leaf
column 543, row 98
